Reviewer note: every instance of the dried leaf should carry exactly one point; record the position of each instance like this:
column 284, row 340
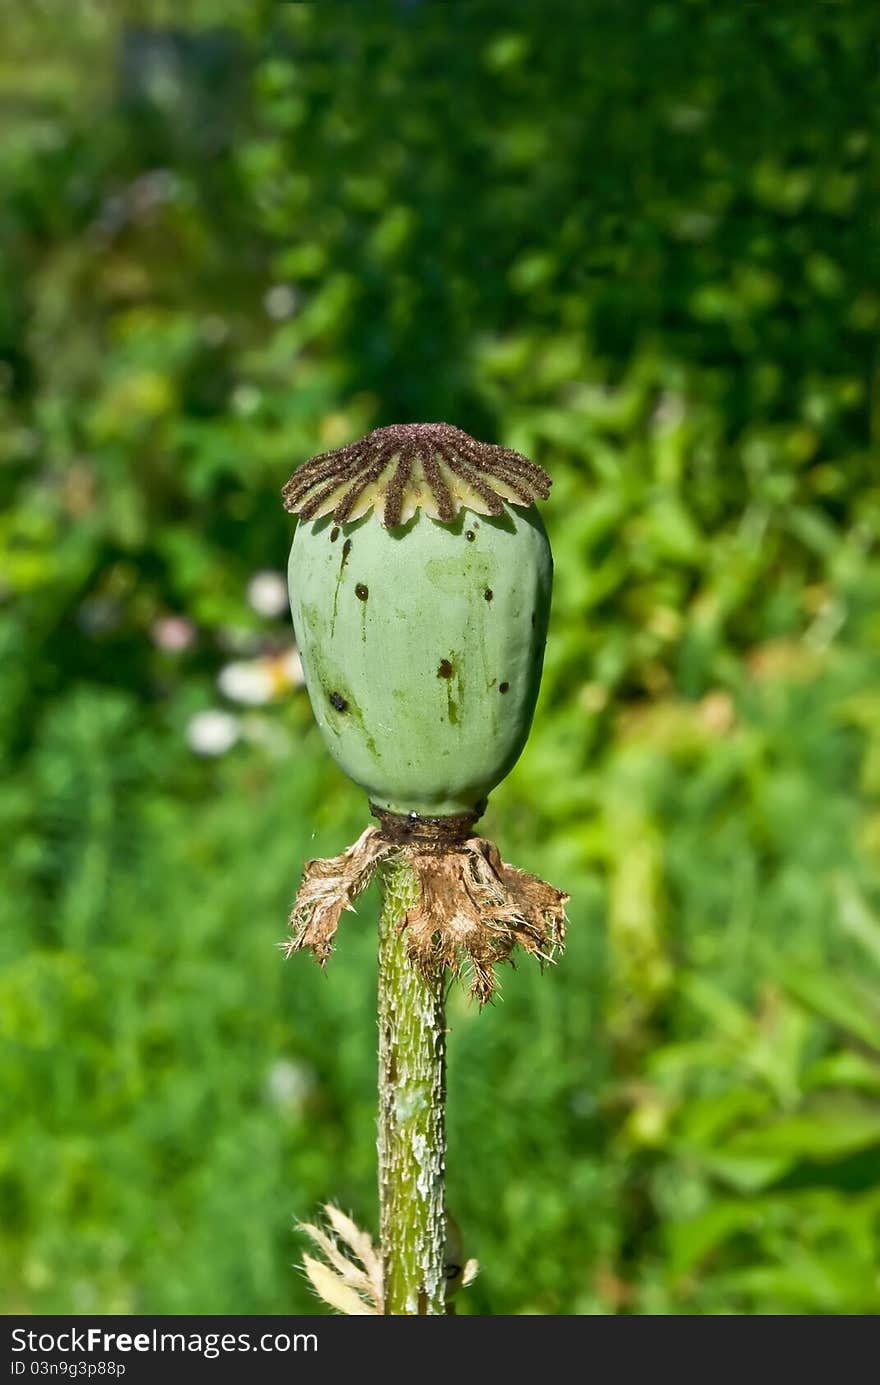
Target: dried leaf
column 360, row 1242
column 364, row 1279
column 354, row 1277
column 334, row 1291
column 471, row 1270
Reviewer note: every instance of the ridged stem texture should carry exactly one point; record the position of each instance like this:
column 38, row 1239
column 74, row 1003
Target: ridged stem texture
column 412, row 1081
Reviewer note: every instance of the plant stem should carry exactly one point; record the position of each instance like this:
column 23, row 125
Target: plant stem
column 412, row 1092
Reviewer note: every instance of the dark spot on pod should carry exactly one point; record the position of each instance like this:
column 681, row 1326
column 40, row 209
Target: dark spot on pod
column 534, row 617
column 334, row 535
column 338, row 701
column 361, row 592
column 502, row 687
column 445, row 669
column 346, row 549
column 470, row 535
column 488, row 594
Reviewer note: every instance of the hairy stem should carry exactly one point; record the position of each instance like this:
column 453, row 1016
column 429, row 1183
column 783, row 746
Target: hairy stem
column 412, row 1140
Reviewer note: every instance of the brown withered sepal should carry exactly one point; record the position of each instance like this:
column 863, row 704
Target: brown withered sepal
column 473, row 908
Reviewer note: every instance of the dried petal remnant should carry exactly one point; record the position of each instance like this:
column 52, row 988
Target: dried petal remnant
column 473, row 908
column 329, row 886
column 430, row 466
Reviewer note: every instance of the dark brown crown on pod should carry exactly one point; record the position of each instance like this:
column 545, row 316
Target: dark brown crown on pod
column 429, row 466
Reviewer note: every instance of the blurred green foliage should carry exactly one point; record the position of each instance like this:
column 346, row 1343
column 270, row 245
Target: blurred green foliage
column 635, row 243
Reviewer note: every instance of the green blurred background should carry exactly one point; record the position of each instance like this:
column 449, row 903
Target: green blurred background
column 632, row 241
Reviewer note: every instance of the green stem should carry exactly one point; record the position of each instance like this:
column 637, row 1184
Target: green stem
column 412, row 1090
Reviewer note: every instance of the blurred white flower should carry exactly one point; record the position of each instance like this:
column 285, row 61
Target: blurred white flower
column 267, row 593
column 249, row 682
column 289, row 1085
column 212, row 732
column 257, row 681
column 246, row 399
column 173, row 633
column 280, row 302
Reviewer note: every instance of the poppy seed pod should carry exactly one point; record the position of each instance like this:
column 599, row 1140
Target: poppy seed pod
column 420, row 578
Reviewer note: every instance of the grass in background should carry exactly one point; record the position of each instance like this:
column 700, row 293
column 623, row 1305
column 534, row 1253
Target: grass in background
column 640, row 259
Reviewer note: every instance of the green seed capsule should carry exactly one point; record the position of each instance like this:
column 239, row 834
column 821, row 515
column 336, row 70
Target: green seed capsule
column 422, row 638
